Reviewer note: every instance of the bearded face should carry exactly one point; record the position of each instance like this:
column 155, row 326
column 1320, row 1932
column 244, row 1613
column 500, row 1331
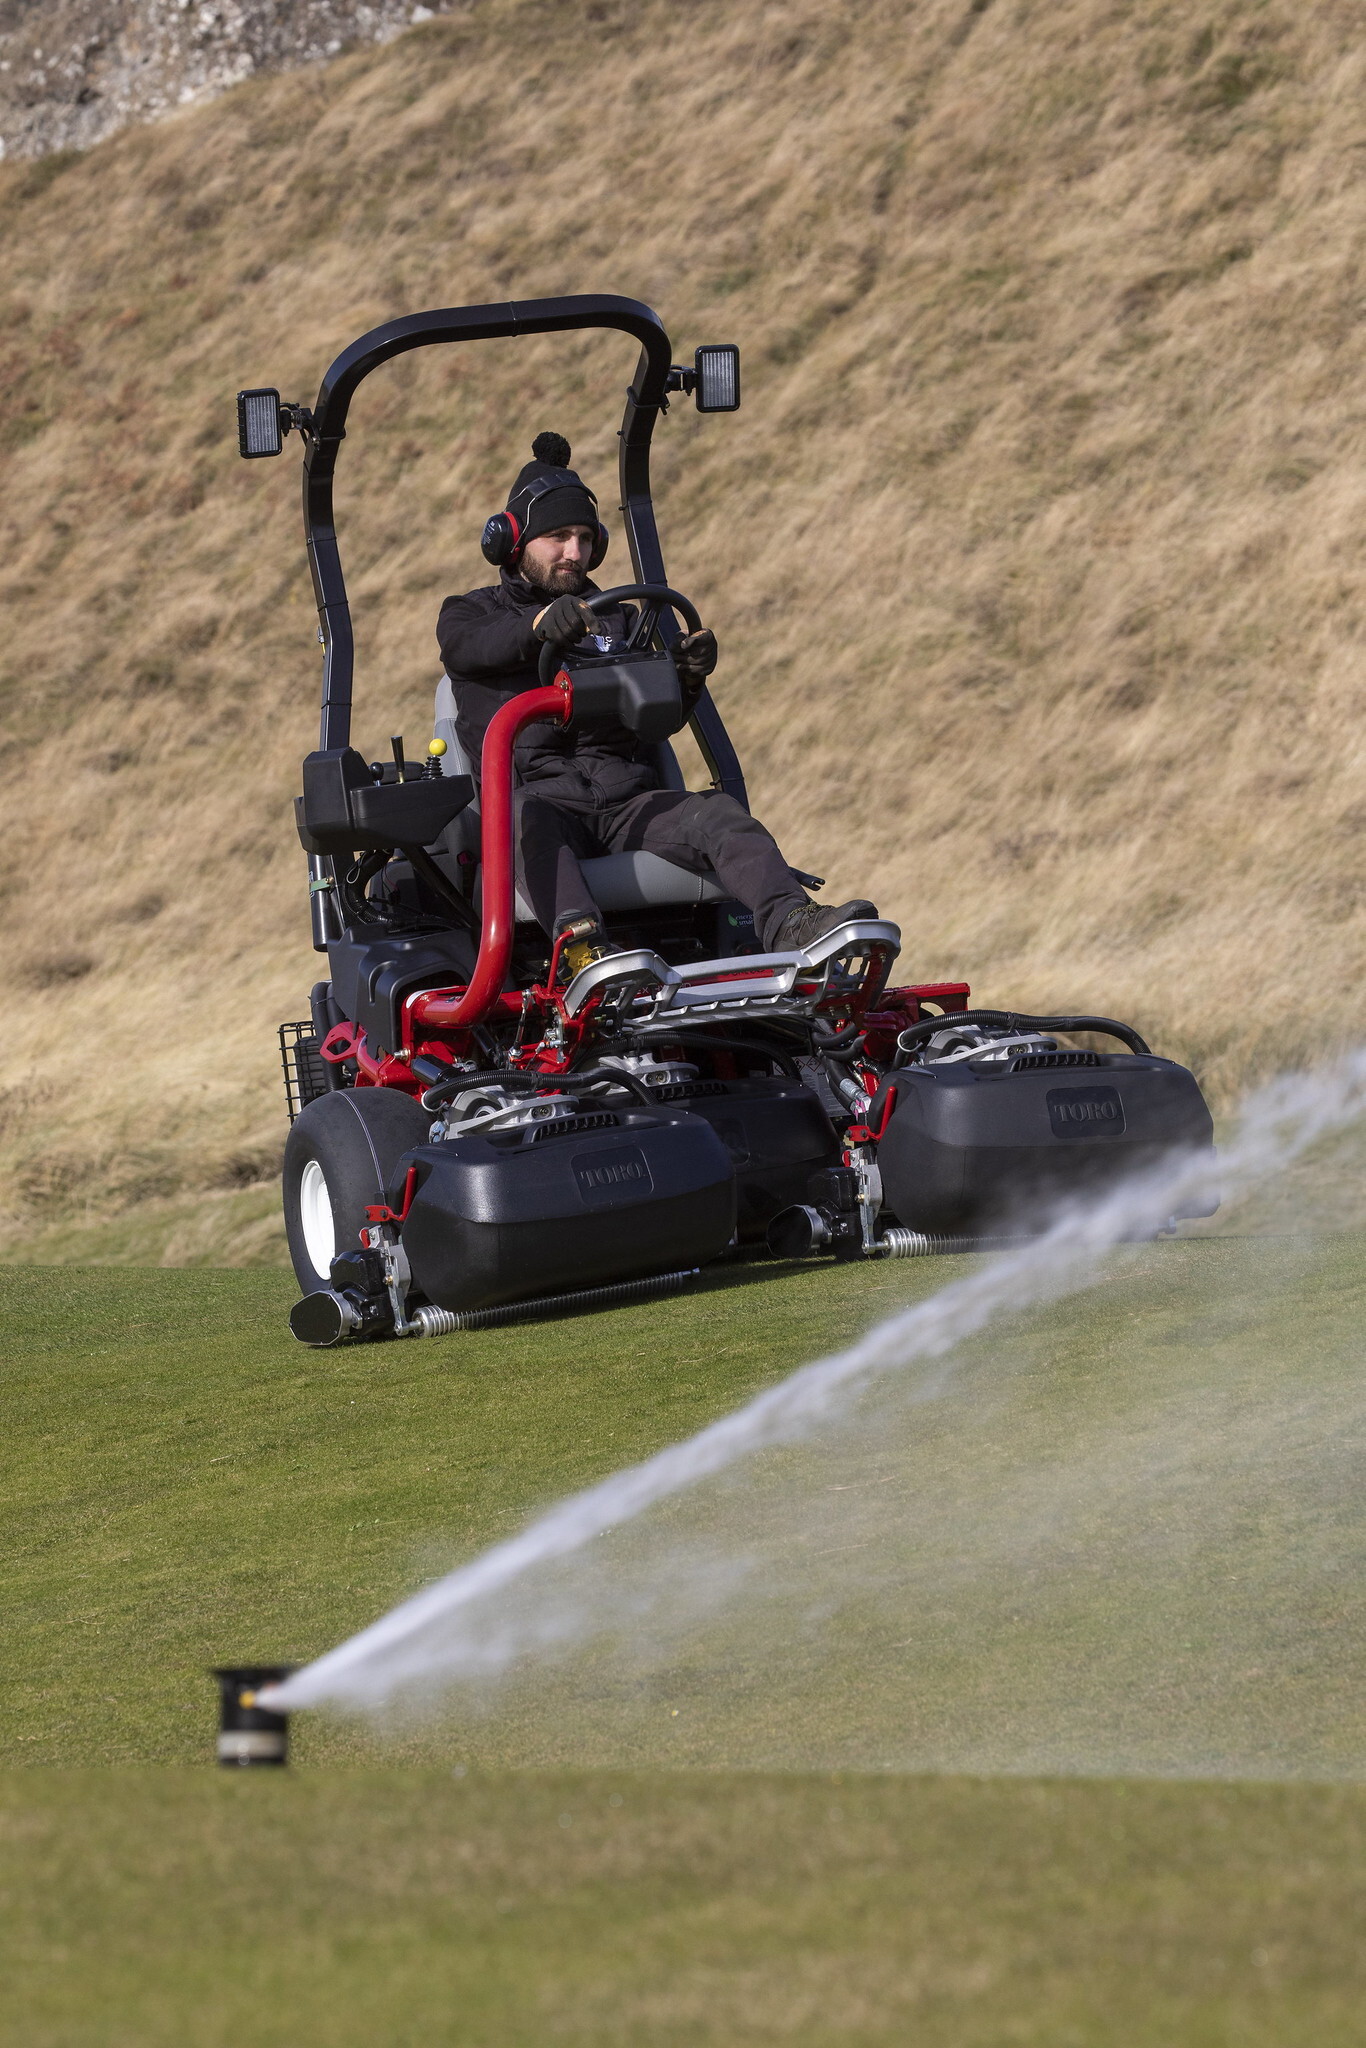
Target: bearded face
column 559, row 578
column 557, row 563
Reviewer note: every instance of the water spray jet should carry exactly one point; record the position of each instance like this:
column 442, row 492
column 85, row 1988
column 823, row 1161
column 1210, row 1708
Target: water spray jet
column 465, row 1625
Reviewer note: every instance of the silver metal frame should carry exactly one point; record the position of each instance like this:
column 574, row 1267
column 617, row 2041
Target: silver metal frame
column 750, row 984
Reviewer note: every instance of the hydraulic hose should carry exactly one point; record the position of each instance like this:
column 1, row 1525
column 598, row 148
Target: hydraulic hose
column 352, row 884
column 442, row 1091
column 527, row 1080
column 780, row 1057
column 757, row 1048
column 837, row 1042
column 620, row 1077
column 426, row 868
column 1014, row 1020
column 321, row 1010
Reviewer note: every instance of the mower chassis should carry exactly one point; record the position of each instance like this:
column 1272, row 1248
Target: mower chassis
column 520, row 1054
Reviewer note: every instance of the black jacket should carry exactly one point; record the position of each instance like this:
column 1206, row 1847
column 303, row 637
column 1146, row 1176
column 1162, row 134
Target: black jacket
column 490, row 655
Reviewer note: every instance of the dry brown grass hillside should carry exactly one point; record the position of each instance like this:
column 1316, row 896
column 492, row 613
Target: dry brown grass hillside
column 1036, row 553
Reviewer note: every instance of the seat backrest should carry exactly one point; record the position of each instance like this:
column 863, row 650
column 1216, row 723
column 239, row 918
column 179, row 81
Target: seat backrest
column 455, row 761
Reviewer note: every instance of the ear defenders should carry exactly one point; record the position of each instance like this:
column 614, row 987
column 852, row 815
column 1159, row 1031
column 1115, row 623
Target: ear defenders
column 503, row 537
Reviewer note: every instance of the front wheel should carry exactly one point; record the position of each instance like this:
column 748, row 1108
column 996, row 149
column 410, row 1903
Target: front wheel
column 340, row 1157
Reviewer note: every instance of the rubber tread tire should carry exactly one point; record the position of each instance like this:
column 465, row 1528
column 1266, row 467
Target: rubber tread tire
column 357, row 1137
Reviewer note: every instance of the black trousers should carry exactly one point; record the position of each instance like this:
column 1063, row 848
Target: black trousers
column 698, row 830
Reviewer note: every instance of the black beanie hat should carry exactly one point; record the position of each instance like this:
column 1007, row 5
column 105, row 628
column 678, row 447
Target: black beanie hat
column 548, row 494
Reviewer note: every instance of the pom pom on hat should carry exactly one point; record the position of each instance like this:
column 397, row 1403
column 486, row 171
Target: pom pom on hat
column 548, row 493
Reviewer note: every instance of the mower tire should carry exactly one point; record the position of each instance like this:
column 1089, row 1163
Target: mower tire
column 340, row 1157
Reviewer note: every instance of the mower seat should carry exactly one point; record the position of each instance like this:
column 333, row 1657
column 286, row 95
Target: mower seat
column 619, row 881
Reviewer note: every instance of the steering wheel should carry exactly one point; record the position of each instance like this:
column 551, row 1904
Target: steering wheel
column 654, row 598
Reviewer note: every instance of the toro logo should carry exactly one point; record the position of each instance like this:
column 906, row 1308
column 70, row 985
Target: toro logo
column 618, row 1175
column 1085, row 1112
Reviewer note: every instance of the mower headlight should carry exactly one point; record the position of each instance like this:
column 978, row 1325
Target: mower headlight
column 260, row 430
column 717, row 388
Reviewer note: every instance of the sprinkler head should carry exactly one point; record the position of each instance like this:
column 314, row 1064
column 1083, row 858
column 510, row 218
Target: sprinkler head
column 248, row 1733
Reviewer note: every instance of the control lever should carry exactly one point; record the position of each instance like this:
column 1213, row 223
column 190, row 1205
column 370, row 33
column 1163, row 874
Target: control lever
column 397, row 745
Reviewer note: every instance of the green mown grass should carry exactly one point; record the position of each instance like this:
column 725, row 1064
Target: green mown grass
column 182, row 1485
column 162, row 1909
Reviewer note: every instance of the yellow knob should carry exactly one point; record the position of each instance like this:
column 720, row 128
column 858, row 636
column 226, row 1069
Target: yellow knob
column 436, row 748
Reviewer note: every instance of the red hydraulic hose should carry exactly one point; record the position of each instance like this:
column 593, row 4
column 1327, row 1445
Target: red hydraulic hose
column 555, row 703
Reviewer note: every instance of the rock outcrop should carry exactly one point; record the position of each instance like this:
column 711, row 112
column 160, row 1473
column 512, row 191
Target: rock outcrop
column 73, row 71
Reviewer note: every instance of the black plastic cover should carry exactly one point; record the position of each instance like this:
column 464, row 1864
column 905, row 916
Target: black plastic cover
column 344, row 810
column 777, row 1136
column 966, row 1147
column 371, row 976
column 492, row 1222
column 639, row 691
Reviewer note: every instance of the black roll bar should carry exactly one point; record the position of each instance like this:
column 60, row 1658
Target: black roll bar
column 644, row 400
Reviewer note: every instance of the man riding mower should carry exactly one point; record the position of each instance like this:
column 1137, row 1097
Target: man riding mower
column 582, row 1030
column 590, row 791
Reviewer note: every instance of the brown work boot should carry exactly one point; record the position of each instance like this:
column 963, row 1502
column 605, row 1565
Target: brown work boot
column 808, row 921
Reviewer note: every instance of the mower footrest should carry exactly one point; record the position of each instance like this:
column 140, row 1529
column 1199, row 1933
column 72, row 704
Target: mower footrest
column 852, row 960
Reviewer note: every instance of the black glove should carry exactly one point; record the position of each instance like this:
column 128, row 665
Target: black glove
column 565, row 621
column 695, row 655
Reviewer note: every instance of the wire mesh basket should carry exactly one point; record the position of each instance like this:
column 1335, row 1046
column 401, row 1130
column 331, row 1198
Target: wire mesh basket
column 304, row 1067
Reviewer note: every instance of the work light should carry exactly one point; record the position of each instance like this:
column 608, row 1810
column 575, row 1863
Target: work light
column 717, row 372
column 260, row 430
